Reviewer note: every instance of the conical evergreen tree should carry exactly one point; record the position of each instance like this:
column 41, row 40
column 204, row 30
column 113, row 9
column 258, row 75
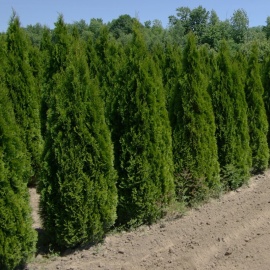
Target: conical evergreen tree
column 171, row 69
column 230, row 110
column 142, row 138
column 105, row 58
column 35, row 58
column 60, row 46
column 194, row 143
column 17, row 238
column 266, row 96
column 46, row 49
column 207, row 57
column 257, row 118
column 78, row 191
column 241, row 64
column 23, row 93
column 54, row 48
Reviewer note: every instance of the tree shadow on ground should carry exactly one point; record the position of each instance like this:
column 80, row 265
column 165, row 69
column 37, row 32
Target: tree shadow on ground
column 43, row 246
column 46, row 249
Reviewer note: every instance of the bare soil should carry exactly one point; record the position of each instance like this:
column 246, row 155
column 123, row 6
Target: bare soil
column 232, row 232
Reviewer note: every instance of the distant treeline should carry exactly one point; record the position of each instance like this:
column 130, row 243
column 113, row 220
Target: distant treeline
column 116, row 123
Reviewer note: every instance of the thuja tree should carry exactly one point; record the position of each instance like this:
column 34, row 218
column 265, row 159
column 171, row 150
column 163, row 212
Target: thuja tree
column 54, row 49
column 78, row 189
column 59, row 48
column 171, row 69
column 243, row 160
column 241, row 64
column 17, row 238
column 207, row 56
column 45, row 50
column 142, row 139
column 23, row 93
column 105, row 57
column 35, row 61
column 257, row 118
column 230, row 110
column 266, row 95
column 194, row 143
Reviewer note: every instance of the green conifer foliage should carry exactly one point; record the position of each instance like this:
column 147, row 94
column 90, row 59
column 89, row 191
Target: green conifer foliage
column 207, row 57
column 171, row 69
column 17, row 238
column 78, row 190
column 46, row 49
column 194, row 143
column 266, row 96
column 60, row 49
column 55, row 48
column 142, row 137
column 230, row 110
column 23, row 93
column 257, row 118
column 105, row 57
column 241, row 64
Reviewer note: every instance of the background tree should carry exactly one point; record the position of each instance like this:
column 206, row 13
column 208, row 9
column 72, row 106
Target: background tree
column 81, row 26
column 266, row 28
column 183, row 15
column 194, row 20
column 121, row 26
column 155, row 35
column 240, row 25
column 95, row 26
column 226, row 32
column 78, row 191
column 194, row 143
column 34, row 33
column 256, row 35
column 198, row 21
column 212, row 34
column 176, row 33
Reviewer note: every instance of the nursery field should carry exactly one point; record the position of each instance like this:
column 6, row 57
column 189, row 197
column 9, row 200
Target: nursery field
column 232, row 232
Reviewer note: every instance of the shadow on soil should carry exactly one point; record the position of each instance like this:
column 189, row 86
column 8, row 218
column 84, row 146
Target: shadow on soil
column 45, row 249
column 43, row 245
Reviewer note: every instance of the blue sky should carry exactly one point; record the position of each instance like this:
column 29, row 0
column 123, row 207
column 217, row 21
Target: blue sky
column 46, row 11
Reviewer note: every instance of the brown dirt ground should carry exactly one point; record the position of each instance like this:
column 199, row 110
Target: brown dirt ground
column 232, row 232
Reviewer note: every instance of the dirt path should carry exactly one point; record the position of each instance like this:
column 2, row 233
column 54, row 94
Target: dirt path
column 232, row 232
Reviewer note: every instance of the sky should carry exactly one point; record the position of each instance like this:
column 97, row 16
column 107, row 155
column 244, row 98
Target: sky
column 46, row 12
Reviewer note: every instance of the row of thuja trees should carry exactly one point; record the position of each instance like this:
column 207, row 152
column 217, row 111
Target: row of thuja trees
column 113, row 134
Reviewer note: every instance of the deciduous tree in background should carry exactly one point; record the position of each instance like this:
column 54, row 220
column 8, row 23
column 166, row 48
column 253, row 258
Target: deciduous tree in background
column 240, row 25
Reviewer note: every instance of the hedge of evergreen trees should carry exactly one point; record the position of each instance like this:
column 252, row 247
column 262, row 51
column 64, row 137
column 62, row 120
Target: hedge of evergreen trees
column 113, row 123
